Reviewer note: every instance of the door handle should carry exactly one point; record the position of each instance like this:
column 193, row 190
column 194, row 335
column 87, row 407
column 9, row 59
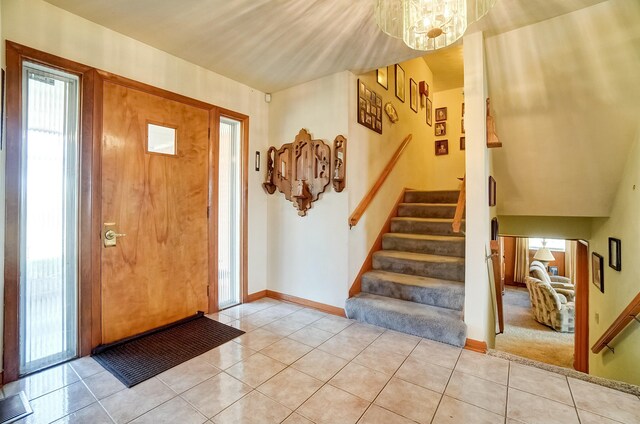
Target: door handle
column 111, row 237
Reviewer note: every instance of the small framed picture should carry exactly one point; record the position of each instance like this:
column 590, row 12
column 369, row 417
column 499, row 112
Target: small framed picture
column 615, row 254
column 381, row 76
column 400, row 89
column 492, row 191
column 597, row 271
column 553, row 270
column 413, row 95
column 462, row 125
column 462, row 143
column 441, row 114
column 442, row 147
column 441, row 129
column 463, row 109
column 429, row 110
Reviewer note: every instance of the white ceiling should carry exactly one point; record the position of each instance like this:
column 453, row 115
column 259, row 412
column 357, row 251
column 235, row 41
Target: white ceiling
column 563, row 75
column 275, row 44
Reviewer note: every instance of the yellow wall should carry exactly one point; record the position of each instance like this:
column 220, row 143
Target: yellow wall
column 369, row 152
column 561, row 227
column 444, row 170
column 619, row 287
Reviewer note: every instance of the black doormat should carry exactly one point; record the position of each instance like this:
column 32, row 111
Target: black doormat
column 138, row 358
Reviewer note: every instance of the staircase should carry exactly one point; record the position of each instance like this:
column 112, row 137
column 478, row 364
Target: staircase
column 416, row 285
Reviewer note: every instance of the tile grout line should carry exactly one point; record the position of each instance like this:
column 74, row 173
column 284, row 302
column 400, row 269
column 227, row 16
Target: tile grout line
column 447, row 385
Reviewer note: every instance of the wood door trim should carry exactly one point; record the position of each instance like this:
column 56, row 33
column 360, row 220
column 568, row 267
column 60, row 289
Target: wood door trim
column 16, row 54
column 90, row 213
column 244, row 197
column 581, row 336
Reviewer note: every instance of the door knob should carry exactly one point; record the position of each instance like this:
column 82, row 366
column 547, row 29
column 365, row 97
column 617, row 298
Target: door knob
column 110, row 237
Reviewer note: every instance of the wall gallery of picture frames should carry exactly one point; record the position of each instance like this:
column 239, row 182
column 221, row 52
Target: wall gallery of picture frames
column 369, row 108
column 369, row 102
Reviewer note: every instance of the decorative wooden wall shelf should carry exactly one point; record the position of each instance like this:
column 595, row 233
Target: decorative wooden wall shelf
column 301, row 170
column 492, row 137
column 339, row 163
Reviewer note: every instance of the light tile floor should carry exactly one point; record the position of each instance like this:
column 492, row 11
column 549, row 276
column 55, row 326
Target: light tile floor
column 301, row 366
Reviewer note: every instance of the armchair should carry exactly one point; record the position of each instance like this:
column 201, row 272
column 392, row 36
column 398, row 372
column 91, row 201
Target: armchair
column 549, row 307
column 539, row 271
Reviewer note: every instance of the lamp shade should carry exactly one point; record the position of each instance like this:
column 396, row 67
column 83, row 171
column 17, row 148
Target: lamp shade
column 544, row 255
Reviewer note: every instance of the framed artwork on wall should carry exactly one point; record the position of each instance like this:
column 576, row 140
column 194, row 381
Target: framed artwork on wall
column 400, row 89
column 441, row 129
column 442, row 147
column 413, row 95
column 462, row 125
column 462, row 143
column 369, row 108
column 441, row 114
column 429, row 109
column 492, row 191
column 381, row 76
column 615, row 253
column 597, row 271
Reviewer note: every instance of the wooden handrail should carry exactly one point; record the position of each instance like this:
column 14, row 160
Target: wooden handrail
column 462, row 200
column 366, row 200
column 629, row 314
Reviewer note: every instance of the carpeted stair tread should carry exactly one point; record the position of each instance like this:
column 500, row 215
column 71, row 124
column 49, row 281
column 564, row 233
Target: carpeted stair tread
column 426, row 265
column 427, row 210
column 420, row 196
column 429, row 291
column 429, row 226
column 426, row 237
column 431, row 322
column 425, row 243
column 423, row 257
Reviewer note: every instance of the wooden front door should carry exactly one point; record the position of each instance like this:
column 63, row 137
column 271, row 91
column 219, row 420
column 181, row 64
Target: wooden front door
column 158, row 272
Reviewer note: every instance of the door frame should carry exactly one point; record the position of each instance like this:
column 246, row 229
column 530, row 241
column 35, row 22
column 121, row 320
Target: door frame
column 582, row 284
column 16, row 55
column 90, row 213
column 244, row 196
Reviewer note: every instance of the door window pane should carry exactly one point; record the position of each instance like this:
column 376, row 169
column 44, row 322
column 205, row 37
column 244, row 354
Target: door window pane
column 49, row 218
column 229, row 177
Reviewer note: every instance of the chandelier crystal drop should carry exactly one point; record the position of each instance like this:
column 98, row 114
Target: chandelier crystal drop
column 429, row 24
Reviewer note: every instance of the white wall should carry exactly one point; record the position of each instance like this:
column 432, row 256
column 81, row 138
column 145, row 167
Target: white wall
column 478, row 310
column 308, row 255
column 40, row 25
column 317, row 257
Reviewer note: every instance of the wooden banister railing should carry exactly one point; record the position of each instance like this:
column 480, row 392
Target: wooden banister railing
column 629, row 314
column 366, row 200
column 462, row 200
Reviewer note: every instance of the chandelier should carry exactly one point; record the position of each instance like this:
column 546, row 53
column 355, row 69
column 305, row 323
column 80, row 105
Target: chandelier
column 429, row 24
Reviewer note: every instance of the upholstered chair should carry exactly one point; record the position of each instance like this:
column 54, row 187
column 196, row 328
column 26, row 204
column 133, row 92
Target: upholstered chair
column 549, row 307
column 562, row 284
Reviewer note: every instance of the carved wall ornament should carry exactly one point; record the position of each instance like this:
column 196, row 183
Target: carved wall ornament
column 391, row 112
column 300, row 170
column 339, row 163
column 492, row 137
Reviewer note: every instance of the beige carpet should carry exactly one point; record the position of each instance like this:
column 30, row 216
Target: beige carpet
column 524, row 336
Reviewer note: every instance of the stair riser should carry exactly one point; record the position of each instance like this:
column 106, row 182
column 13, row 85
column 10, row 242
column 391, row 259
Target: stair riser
column 454, row 333
column 427, row 211
column 442, row 270
column 431, row 196
column 416, row 227
column 450, row 298
column 433, row 247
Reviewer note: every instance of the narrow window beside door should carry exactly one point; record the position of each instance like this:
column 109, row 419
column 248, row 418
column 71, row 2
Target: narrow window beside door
column 229, row 210
column 48, row 218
